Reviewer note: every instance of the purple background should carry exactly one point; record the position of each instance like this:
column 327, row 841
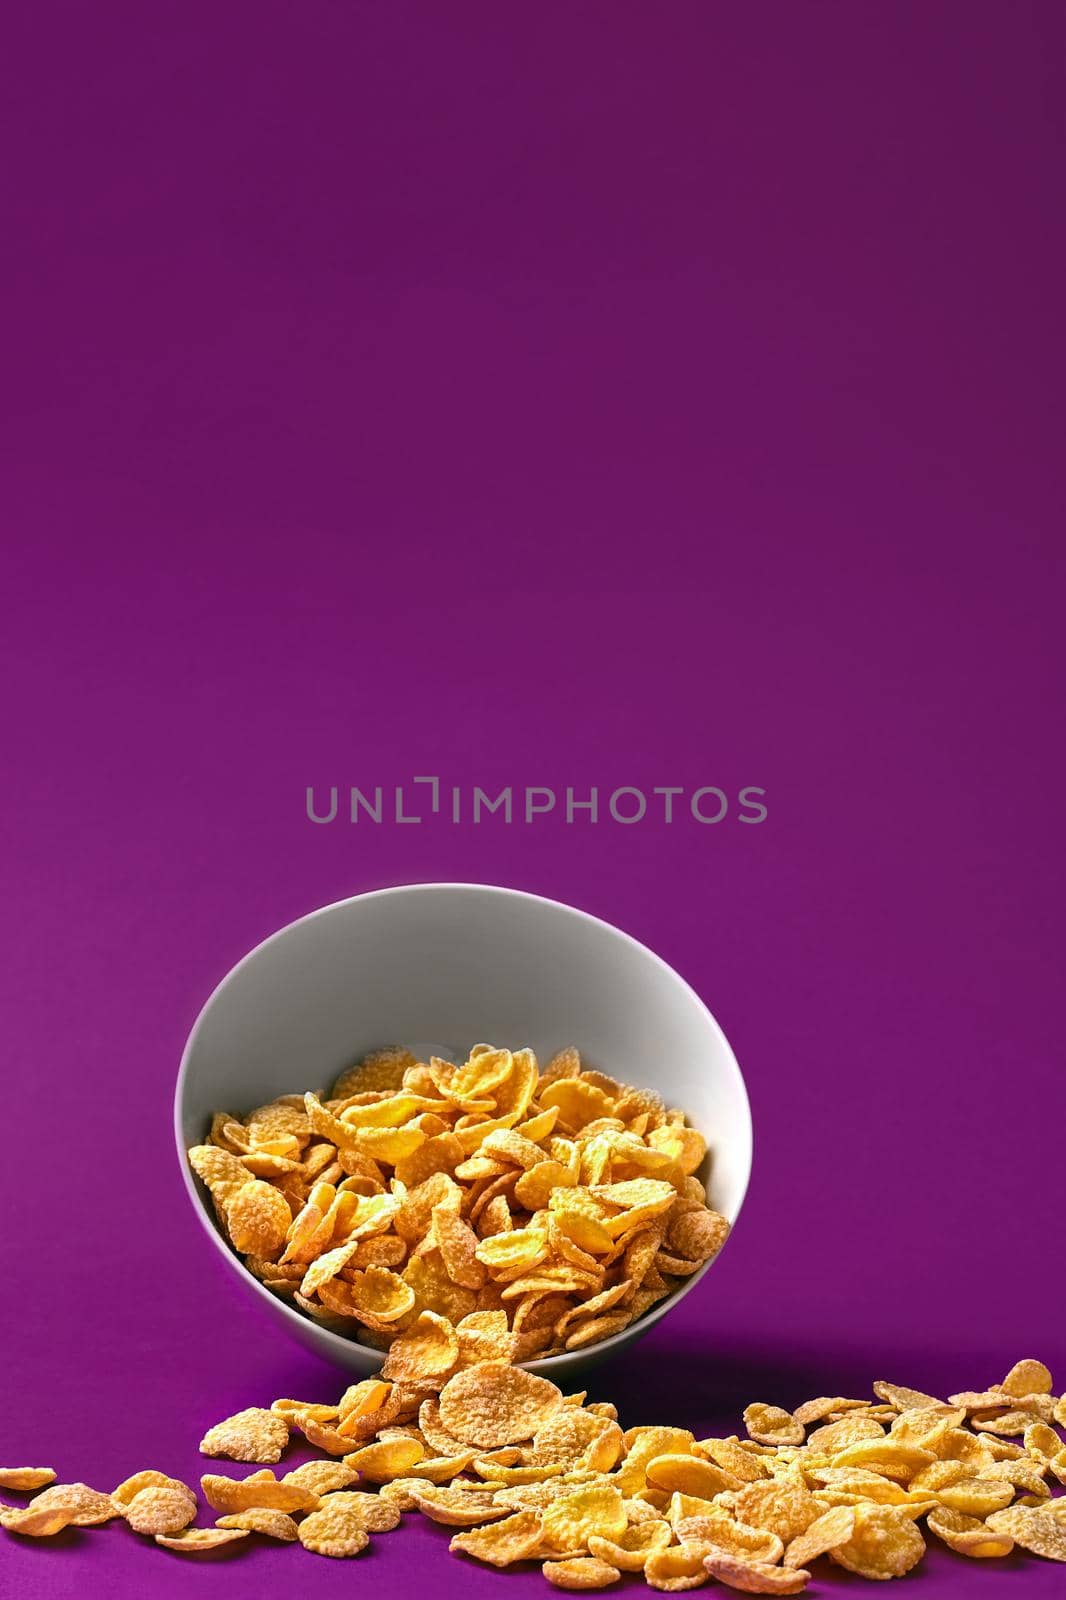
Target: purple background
column 571, row 393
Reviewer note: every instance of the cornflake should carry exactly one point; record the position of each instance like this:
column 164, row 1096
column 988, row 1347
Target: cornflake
column 273, row 1524
column 26, row 1480
column 160, row 1510
column 502, row 1543
column 580, row 1572
column 252, row 1435
column 192, row 1540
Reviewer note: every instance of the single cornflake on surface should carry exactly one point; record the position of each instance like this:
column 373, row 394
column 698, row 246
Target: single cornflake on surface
column 192, row 1540
column 26, row 1480
column 160, row 1511
column 272, row 1524
column 580, row 1572
column 251, row 1435
column 333, row 1530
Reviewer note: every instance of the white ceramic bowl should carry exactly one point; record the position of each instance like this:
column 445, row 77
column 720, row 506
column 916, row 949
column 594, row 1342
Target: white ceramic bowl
column 438, row 967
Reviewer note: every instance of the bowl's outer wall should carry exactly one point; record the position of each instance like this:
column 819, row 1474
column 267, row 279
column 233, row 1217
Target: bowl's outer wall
column 441, row 967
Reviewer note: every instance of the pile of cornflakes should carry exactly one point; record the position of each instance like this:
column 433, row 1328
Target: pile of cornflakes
column 524, row 1473
column 563, row 1199
column 465, row 1219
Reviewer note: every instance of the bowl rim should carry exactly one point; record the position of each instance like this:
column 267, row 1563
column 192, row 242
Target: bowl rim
column 547, row 1365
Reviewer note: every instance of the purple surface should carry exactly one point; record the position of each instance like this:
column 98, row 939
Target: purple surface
column 571, row 395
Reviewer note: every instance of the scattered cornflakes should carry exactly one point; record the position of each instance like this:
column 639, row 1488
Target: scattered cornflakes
column 467, row 1218
column 525, row 1473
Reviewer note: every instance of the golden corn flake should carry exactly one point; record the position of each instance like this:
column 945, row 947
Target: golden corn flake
column 981, row 1400
column 976, row 1496
column 332, row 1440
column 160, row 1510
column 272, row 1524
column 24, row 1480
column 1027, row 1377
column 385, row 1460
column 251, row 1435
column 926, row 1428
column 569, row 1520
column 698, row 1235
column 642, row 1446
column 834, row 1527
column 679, row 1568
column 824, row 1406
column 630, row 1551
column 720, row 1530
column 484, row 1336
column 322, row 1477
column 455, row 1505
column 771, row 1425
column 754, row 1577
column 84, row 1507
column 835, row 1436
column 258, row 1219
column 785, row 1506
column 845, row 1483
column 381, row 1071
column 1004, row 1422
column 434, row 1290
column 148, row 1479
column 34, row 1522
column 373, row 1511
column 428, row 1351
column 229, row 1495
column 492, row 1404
column 884, row 1543
column 687, row 1475
column 1042, row 1532
column 458, row 1245
column 333, row 1530
column 190, row 1541
column 968, row 1536
column 219, row 1170
column 574, row 1434
column 501, row 1543
column 904, row 1399
column 729, row 1454
column 595, row 1329
column 889, row 1457
column 433, row 1430
column 580, row 1572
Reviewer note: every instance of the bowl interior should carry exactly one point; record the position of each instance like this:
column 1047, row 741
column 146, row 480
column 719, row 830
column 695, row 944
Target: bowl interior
column 439, row 967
